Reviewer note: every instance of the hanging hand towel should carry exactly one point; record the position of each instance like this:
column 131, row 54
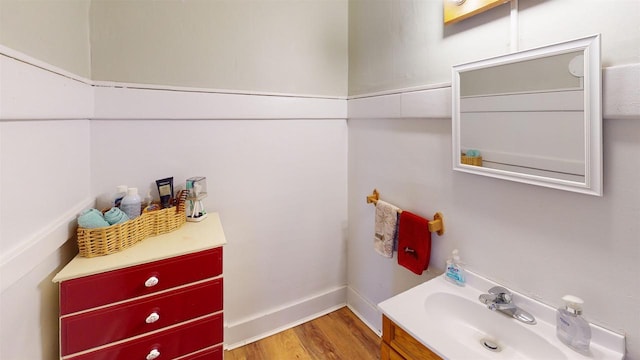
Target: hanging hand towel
column 385, row 228
column 414, row 242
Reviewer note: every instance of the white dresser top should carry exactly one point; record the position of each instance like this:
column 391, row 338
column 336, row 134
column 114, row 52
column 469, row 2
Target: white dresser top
column 189, row 238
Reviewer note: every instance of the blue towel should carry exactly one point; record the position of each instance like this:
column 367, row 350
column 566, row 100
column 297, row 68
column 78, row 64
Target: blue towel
column 472, row 153
column 115, row 216
column 91, row 219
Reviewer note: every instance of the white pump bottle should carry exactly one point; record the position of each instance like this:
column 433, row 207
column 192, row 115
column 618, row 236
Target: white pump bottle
column 571, row 328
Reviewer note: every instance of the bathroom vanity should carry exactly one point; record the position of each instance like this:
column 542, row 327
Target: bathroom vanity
column 162, row 298
column 397, row 344
column 438, row 319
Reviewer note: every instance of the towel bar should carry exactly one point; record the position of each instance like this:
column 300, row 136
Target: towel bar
column 436, row 225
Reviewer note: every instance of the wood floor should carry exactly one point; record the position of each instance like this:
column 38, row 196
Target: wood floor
column 338, row 335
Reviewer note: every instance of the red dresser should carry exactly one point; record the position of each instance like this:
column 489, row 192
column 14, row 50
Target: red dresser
column 161, row 299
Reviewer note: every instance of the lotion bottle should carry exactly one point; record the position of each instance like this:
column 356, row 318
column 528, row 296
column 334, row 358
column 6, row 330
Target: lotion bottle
column 571, row 328
column 131, row 204
column 455, row 272
column 121, row 192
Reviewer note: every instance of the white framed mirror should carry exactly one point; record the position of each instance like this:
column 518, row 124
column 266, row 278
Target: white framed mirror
column 534, row 116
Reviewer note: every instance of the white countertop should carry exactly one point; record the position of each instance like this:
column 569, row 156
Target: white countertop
column 189, row 238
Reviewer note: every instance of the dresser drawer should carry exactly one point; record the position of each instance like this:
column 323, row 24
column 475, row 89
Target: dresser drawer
column 168, row 344
column 117, row 285
column 87, row 330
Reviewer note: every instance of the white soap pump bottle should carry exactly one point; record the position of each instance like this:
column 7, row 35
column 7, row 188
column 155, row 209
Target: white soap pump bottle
column 455, row 271
column 571, row 328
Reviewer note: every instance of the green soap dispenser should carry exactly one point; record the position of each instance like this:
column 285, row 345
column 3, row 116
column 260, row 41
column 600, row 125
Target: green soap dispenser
column 571, row 328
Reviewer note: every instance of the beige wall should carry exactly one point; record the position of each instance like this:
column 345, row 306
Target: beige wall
column 283, row 46
column 297, row 47
column 543, row 21
column 272, row 46
column 400, row 44
column 56, row 32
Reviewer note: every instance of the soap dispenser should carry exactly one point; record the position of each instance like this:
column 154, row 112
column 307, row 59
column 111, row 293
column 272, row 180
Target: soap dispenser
column 571, row 328
column 455, row 272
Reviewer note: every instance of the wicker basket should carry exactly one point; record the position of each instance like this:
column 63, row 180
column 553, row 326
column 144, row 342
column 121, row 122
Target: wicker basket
column 471, row 160
column 115, row 238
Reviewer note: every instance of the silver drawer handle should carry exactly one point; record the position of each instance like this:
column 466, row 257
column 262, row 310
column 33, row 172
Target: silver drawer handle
column 152, row 281
column 153, row 354
column 153, row 317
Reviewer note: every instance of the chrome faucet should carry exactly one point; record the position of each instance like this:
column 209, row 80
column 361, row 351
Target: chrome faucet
column 499, row 299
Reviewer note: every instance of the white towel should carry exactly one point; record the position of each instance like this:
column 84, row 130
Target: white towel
column 385, row 228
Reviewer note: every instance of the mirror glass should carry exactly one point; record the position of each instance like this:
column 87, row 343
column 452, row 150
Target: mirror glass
column 532, row 116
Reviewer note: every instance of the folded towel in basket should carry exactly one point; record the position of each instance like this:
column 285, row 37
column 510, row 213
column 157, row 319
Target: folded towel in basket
column 385, row 228
column 115, row 216
column 91, row 219
column 414, row 242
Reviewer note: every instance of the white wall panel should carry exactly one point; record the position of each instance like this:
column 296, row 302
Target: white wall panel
column 29, row 311
column 31, row 92
column 277, row 177
column 543, row 242
column 45, row 174
column 280, row 189
column 621, row 93
column 127, row 103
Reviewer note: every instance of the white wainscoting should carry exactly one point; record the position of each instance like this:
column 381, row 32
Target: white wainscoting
column 29, row 92
column 620, row 99
column 37, row 98
column 34, row 91
column 135, row 103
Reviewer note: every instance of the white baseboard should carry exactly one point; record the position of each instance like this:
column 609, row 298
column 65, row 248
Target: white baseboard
column 260, row 326
column 365, row 321
column 365, row 310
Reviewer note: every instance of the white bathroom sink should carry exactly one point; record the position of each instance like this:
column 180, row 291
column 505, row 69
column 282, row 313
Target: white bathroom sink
column 453, row 323
column 483, row 333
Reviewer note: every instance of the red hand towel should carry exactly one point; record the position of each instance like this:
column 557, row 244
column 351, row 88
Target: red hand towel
column 414, row 242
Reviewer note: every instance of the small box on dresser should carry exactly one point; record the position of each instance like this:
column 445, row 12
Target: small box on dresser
column 160, row 299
